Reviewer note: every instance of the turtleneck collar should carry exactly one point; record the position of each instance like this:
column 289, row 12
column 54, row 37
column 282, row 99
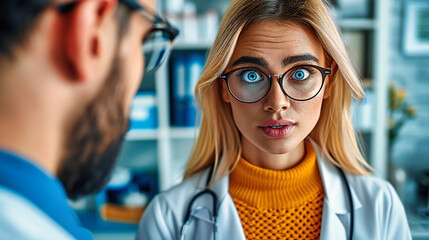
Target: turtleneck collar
column 267, row 188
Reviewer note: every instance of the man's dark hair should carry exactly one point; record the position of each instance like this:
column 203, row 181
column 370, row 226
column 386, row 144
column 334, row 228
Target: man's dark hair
column 18, row 17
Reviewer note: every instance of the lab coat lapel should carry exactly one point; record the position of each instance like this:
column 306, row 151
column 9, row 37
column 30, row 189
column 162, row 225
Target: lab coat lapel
column 332, row 227
column 220, row 188
column 336, row 209
column 230, row 226
column 228, row 223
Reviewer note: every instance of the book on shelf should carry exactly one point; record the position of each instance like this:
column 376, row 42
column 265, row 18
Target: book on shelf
column 144, row 112
column 186, row 71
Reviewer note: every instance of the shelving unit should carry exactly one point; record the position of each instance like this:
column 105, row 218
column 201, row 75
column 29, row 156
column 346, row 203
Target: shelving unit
column 141, row 134
column 377, row 31
column 358, row 24
column 381, row 74
column 192, row 46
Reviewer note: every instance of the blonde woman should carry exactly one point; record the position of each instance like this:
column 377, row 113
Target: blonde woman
column 276, row 156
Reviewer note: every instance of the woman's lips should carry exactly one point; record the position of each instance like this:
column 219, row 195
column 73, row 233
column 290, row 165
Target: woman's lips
column 277, row 128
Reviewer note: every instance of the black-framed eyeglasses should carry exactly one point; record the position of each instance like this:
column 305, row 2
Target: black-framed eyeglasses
column 300, row 83
column 157, row 43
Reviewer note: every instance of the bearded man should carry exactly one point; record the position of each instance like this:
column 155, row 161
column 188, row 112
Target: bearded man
column 68, row 73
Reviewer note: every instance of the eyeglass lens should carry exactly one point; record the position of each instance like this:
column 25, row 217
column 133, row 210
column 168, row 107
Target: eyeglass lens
column 156, row 47
column 299, row 83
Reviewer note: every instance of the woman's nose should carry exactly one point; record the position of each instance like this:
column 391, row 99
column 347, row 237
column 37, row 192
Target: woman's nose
column 276, row 100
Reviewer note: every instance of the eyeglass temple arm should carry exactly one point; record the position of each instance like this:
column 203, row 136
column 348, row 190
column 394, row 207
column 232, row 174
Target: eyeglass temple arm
column 68, row 6
column 328, row 71
column 132, row 4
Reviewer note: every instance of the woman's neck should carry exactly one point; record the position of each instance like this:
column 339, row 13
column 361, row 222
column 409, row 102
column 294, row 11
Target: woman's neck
column 263, row 159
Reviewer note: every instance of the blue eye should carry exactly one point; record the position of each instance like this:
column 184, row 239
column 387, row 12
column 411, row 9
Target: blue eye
column 301, row 74
column 251, row 76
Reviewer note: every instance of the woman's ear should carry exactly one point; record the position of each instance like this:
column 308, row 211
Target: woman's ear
column 225, row 92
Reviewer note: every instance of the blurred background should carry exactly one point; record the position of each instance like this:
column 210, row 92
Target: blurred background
column 389, row 43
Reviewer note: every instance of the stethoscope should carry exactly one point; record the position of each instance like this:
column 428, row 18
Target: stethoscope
column 213, row 215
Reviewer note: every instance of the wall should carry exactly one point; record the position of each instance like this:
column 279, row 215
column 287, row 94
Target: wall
column 411, row 150
column 411, row 73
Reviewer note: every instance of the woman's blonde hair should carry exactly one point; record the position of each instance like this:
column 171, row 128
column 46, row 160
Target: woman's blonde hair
column 219, row 143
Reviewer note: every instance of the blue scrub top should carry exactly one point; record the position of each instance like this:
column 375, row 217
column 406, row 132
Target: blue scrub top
column 42, row 189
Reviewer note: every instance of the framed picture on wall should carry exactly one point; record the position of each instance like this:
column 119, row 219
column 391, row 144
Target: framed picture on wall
column 416, row 28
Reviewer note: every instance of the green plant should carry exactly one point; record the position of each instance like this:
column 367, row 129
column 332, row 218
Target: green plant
column 399, row 111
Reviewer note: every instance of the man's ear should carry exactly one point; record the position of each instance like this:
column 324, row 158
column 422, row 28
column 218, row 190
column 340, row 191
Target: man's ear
column 85, row 37
column 224, row 92
column 328, row 81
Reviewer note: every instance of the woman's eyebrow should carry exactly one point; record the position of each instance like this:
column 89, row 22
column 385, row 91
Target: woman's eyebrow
column 285, row 61
column 254, row 60
column 299, row 58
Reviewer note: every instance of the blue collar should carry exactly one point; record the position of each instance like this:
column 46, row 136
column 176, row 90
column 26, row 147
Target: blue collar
column 42, row 189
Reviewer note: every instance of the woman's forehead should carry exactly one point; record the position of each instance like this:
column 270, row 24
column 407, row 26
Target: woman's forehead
column 277, row 40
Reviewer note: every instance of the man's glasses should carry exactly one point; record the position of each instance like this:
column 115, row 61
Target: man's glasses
column 300, row 83
column 156, row 45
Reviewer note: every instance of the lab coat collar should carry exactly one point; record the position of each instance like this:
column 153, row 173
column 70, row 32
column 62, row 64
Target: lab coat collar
column 334, row 186
column 220, row 187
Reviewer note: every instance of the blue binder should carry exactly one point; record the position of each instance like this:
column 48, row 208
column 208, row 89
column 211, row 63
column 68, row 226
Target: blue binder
column 194, row 69
column 178, row 90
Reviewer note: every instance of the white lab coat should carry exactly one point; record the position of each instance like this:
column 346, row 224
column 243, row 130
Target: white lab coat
column 379, row 213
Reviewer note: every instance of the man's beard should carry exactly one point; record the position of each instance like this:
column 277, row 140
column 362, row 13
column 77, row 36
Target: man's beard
column 95, row 139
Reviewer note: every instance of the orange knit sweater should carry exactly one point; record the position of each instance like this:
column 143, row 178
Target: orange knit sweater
column 279, row 204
